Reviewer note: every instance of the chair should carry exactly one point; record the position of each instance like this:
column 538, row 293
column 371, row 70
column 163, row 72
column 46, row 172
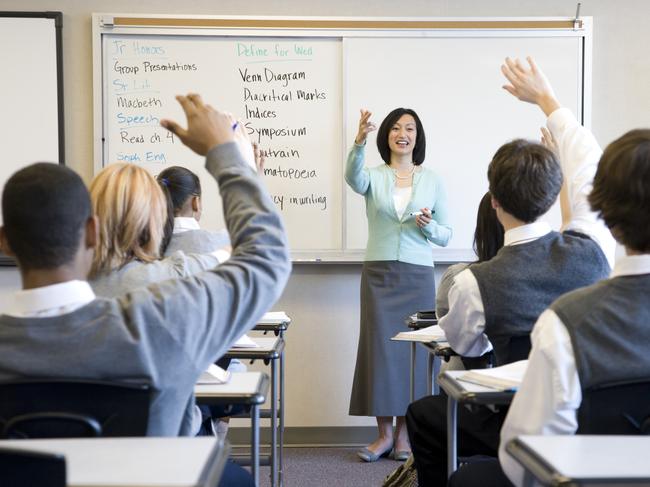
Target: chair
column 61, row 408
column 620, row 408
column 22, row 468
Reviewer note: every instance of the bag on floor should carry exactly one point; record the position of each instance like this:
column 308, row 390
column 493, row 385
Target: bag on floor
column 403, row 476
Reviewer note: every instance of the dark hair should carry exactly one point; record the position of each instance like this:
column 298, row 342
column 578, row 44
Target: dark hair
column 621, row 190
column 168, row 229
column 384, row 129
column 181, row 183
column 525, row 178
column 488, row 236
column 45, row 207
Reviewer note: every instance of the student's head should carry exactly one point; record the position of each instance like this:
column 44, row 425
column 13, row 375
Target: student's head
column 47, row 219
column 132, row 210
column 621, row 190
column 409, row 122
column 184, row 189
column 488, row 236
column 525, row 179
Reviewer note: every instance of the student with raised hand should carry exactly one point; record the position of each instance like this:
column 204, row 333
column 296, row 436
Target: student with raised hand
column 496, row 303
column 397, row 275
column 56, row 327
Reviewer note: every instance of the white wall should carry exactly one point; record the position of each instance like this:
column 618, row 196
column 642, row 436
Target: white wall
column 322, row 299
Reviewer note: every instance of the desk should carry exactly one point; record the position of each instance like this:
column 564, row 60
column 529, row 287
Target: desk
column 135, row 462
column 465, row 393
column 278, row 327
column 249, row 388
column 583, row 459
column 415, row 323
column 271, row 350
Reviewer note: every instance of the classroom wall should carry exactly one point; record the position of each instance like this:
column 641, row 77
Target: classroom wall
column 323, row 299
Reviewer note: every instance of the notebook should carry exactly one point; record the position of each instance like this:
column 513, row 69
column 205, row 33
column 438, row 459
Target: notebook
column 429, row 334
column 245, row 341
column 274, row 317
column 505, row 378
column 214, row 375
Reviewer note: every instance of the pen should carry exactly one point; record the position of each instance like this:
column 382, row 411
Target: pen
column 234, row 126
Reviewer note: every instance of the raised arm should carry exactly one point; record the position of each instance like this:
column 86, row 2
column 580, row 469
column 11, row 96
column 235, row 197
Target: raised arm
column 205, row 314
column 578, row 150
column 355, row 174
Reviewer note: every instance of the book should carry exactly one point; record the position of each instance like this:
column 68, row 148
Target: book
column 214, row 375
column 245, row 341
column 505, row 378
column 429, row 334
column 426, row 315
column 274, row 317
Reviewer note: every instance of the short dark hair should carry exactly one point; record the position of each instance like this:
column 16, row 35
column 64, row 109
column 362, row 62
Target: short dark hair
column 45, row 207
column 525, row 178
column 488, row 236
column 181, row 183
column 621, row 190
column 388, row 122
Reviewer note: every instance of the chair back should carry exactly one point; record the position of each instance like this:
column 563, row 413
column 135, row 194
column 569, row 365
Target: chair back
column 23, row 468
column 621, row 408
column 61, row 408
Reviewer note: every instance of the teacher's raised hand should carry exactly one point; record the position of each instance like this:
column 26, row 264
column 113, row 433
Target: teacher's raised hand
column 365, row 127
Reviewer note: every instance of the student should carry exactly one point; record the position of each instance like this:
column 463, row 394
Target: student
column 488, row 239
column 56, row 327
column 184, row 190
column 495, row 303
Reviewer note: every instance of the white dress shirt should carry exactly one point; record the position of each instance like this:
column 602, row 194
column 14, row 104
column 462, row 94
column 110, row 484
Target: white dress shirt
column 53, row 300
column 464, row 324
column 550, row 394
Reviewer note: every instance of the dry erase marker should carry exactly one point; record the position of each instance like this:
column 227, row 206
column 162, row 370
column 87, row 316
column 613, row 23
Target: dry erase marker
column 418, row 213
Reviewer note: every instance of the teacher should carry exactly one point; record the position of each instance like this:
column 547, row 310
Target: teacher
column 406, row 209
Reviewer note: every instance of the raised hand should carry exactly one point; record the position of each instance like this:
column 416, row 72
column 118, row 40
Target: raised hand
column 260, row 159
column 206, row 127
column 549, row 142
column 529, row 84
column 365, row 127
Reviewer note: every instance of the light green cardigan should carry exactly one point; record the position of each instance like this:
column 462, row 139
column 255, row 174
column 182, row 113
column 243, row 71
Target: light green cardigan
column 390, row 238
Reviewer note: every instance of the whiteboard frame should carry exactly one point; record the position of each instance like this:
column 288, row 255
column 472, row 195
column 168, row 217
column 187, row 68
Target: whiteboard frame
column 105, row 24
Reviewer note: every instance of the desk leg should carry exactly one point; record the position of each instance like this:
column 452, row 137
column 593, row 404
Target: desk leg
column 430, row 361
column 437, row 363
column 255, row 444
column 412, row 374
column 274, row 421
column 281, row 430
column 452, row 409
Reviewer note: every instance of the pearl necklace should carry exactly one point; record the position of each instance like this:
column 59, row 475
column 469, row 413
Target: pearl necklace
column 404, row 177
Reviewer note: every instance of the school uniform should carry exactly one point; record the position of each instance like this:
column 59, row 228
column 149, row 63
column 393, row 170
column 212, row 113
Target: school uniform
column 494, row 304
column 190, row 238
column 396, row 280
column 148, row 334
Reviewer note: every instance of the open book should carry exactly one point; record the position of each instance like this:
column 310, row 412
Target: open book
column 274, row 317
column 214, row 375
column 429, row 334
column 505, row 378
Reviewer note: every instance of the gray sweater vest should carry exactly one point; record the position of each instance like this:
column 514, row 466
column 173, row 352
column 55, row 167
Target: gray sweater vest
column 197, row 242
column 609, row 325
column 522, row 280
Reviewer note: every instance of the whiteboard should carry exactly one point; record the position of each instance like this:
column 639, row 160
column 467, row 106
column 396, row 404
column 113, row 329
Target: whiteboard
column 31, row 91
column 298, row 84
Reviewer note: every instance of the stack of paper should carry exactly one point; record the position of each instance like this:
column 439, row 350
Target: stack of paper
column 245, row 341
column 274, row 317
column 505, row 378
column 429, row 334
column 214, row 375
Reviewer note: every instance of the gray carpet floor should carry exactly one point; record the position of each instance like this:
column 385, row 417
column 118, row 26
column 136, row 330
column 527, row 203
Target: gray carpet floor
column 332, row 467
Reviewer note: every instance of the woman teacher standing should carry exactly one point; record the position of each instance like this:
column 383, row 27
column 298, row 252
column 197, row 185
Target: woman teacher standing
column 397, row 276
